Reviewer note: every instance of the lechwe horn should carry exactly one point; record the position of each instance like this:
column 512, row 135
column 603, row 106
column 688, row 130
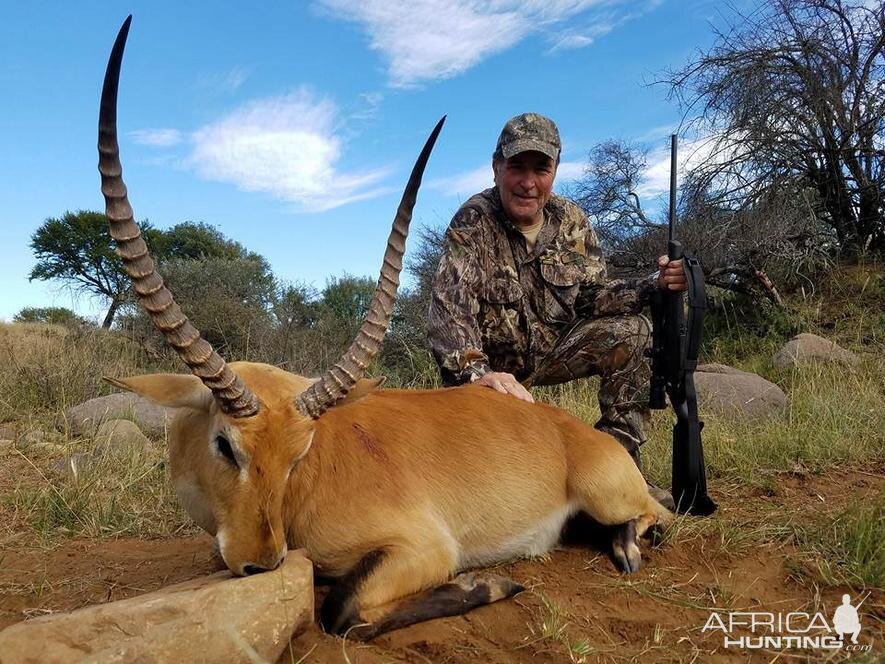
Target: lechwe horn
column 234, row 398
column 335, row 382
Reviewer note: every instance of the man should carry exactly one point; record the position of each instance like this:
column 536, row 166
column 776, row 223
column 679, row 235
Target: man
column 521, row 296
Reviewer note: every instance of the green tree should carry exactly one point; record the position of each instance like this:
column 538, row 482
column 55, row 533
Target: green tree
column 405, row 354
column 342, row 305
column 227, row 299
column 76, row 249
column 50, row 316
column 195, row 241
column 295, row 307
column 345, row 300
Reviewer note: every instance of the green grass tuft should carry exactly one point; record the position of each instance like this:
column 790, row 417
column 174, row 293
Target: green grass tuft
column 847, row 548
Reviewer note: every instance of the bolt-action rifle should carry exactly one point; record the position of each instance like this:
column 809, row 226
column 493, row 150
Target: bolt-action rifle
column 676, row 339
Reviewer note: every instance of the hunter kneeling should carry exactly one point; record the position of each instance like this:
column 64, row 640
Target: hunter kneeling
column 521, row 296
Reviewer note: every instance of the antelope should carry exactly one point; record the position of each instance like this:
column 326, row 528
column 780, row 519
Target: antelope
column 394, row 494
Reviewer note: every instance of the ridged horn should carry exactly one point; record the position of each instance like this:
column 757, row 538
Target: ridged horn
column 335, row 382
column 234, row 398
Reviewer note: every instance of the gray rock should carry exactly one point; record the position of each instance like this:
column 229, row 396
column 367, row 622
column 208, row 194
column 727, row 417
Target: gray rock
column 70, row 468
column 219, row 618
column 42, row 442
column 805, row 348
column 32, row 438
column 737, row 395
column 114, row 438
column 119, row 437
column 84, row 419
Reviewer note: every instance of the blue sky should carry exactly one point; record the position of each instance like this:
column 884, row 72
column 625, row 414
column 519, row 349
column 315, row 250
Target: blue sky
column 292, row 126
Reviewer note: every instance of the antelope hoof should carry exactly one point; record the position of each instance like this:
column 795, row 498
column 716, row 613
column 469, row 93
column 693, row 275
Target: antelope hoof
column 625, row 548
column 497, row 587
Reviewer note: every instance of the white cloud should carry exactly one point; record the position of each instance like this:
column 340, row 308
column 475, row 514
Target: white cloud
column 569, row 170
column 571, row 41
column 285, row 146
column 656, row 177
column 156, row 138
column 437, row 39
column 465, row 183
column 369, row 105
column 227, row 81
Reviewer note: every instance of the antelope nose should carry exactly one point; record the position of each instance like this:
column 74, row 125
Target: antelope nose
column 249, row 570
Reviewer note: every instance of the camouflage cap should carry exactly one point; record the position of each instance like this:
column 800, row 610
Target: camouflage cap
column 529, row 131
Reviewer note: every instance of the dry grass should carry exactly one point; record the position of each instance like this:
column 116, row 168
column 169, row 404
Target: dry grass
column 126, row 493
column 46, row 368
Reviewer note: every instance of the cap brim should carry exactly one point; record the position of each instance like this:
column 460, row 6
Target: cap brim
column 527, row 145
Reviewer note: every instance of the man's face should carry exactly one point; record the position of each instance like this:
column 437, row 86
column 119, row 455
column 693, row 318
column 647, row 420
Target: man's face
column 525, row 182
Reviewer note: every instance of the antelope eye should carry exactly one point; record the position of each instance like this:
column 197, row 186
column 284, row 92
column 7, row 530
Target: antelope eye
column 223, row 445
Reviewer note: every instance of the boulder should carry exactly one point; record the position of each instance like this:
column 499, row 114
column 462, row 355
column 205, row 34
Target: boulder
column 119, row 437
column 219, row 618
column 114, row 438
column 42, row 442
column 72, row 467
column 805, row 347
column 34, row 438
column 9, row 431
column 85, row 418
column 736, row 394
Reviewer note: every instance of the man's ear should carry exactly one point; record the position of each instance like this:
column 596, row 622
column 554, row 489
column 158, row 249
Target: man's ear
column 363, row 387
column 170, row 390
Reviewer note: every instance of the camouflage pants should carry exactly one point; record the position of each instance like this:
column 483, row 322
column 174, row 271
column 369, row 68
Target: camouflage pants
column 612, row 348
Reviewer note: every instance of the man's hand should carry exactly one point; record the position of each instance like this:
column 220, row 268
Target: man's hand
column 506, row 383
column 672, row 276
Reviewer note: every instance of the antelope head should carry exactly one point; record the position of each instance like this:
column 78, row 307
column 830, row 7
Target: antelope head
column 242, row 427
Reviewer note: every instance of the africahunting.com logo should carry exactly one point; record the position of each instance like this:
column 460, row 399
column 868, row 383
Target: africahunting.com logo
column 754, row 630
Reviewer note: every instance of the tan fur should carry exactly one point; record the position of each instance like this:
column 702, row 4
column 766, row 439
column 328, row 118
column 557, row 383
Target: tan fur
column 438, row 479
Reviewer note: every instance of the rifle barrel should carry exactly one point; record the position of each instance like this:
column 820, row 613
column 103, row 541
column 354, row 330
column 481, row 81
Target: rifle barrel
column 672, row 218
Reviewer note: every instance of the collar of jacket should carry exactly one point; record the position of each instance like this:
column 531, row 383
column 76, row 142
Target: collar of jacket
column 550, row 229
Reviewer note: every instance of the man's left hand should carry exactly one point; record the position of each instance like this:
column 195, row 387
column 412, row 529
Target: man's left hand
column 672, row 274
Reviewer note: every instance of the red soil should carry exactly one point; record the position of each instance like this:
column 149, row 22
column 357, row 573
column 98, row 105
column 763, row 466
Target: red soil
column 656, row 614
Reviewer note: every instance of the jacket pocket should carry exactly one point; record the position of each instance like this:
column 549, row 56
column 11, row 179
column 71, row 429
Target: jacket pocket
column 500, row 314
column 503, row 291
column 562, row 281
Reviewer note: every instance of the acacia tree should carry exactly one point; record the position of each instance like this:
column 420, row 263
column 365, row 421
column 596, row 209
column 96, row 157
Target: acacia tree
column 50, row 316
column 794, row 94
column 77, row 250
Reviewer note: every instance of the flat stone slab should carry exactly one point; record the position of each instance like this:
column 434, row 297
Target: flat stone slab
column 219, row 618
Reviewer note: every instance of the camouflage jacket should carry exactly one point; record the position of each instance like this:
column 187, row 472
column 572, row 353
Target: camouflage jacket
column 497, row 306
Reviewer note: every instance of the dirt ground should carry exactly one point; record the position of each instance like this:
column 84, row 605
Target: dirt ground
column 578, row 607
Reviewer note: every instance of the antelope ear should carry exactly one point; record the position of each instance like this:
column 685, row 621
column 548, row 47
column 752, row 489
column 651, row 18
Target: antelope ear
column 363, row 387
column 170, row 390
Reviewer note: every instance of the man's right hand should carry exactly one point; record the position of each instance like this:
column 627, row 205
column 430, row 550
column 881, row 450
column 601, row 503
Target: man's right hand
column 506, row 383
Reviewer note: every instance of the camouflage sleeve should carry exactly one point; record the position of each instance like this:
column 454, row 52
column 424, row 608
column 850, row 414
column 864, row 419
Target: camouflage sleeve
column 601, row 296
column 452, row 325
